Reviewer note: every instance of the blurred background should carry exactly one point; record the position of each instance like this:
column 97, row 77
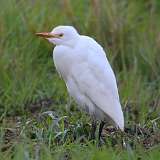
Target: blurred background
column 129, row 31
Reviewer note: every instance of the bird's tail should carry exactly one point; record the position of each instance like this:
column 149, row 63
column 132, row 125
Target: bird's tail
column 120, row 120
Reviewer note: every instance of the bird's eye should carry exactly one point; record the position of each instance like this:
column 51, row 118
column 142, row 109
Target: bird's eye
column 61, row 35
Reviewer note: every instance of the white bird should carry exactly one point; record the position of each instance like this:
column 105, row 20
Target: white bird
column 90, row 80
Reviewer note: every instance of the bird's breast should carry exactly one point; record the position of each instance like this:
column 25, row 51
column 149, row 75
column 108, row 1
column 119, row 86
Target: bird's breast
column 64, row 60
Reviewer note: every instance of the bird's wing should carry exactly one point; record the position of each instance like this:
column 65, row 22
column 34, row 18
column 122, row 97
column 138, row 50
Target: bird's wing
column 96, row 80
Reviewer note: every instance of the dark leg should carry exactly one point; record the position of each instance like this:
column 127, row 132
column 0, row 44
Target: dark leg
column 93, row 129
column 100, row 129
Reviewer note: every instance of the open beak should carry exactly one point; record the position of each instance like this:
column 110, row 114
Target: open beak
column 47, row 35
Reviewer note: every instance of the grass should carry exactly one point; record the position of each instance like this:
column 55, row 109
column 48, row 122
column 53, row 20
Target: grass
column 34, row 120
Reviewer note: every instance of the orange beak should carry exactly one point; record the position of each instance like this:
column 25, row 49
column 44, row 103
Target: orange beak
column 48, row 35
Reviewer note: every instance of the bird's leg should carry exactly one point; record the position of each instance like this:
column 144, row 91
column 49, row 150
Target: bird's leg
column 69, row 102
column 93, row 129
column 68, row 105
column 100, row 129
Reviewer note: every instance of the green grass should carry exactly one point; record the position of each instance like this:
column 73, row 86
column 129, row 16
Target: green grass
column 34, row 121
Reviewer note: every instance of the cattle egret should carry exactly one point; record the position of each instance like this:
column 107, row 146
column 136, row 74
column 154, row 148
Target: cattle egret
column 89, row 78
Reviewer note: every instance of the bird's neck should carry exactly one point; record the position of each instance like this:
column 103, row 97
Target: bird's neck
column 73, row 42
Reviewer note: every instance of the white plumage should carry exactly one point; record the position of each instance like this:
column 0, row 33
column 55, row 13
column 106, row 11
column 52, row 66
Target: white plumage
column 89, row 78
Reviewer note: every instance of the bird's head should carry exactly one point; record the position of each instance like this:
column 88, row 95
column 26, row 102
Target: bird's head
column 61, row 35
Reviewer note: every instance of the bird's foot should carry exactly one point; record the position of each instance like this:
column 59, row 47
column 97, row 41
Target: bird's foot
column 93, row 130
